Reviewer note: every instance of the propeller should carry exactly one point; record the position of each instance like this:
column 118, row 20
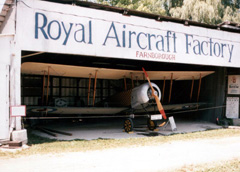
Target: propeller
column 159, row 105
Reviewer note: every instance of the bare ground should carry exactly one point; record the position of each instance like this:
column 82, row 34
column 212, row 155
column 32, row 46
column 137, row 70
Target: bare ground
column 163, row 157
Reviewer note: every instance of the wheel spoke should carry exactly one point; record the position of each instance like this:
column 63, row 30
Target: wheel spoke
column 128, row 125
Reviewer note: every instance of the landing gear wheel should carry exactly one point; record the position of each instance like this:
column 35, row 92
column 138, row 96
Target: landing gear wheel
column 128, row 125
column 151, row 124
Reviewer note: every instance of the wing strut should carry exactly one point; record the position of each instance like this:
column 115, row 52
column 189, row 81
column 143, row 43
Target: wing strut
column 199, row 86
column 89, row 88
column 192, row 88
column 132, row 80
column 136, row 80
column 43, row 91
column 144, row 77
column 47, row 86
column 164, row 82
column 159, row 105
column 170, row 93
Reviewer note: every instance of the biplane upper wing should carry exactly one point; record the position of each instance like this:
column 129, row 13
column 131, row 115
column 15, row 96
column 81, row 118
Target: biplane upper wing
column 104, row 73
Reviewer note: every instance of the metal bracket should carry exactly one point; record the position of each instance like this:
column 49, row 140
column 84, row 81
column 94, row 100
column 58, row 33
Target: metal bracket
column 172, row 124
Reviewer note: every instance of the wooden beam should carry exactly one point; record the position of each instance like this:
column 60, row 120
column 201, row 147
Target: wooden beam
column 95, row 85
column 191, row 93
column 57, row 131
column 8, row 2
column 33, row 54
column 3, row 13
column 170, row 92
column 164, row 83
column 46, row 131
column 199, row 86
column 2, row 18
column 89, row 88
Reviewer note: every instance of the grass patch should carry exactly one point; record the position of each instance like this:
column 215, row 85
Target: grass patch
column 40, row 145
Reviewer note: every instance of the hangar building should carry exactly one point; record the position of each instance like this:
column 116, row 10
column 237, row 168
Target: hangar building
column 50, row 51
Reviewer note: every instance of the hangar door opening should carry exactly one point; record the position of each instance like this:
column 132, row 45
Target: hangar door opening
column 65, row 84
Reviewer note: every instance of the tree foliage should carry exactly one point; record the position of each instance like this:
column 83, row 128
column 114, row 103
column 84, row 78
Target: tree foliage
column 205, row 11
column 231, row 15
column 209, row 11
column 149, row 6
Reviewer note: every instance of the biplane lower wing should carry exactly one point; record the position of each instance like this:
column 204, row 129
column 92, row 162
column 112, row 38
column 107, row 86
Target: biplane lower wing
column 105, row 110
column 75, row 110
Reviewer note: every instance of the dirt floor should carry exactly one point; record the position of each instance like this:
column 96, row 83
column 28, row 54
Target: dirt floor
column 113, row 129
column 162, row 157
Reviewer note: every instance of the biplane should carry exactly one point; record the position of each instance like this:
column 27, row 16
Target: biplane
column 143, row 100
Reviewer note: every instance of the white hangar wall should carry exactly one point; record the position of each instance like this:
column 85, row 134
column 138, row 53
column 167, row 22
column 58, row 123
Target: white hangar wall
column 4, row 86
column 78, row 30
column 10, row 64
column 10, row 72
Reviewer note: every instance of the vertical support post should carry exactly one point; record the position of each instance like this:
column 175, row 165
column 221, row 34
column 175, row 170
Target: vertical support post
column 125, row 83
column 144, row 79
column 43, row 90
column 15, row 92
column 95, row 85
column 77, row 91
column 136, row 80
column 109, row 88
column 170, row 93
column 51, row 87
column 101, row 91
column 191, row 93
column 15, row 83
column 89, row 88
column 132, row 80
column 60, row 87
column 199, row 86
column 164, row 83
column 47, row 86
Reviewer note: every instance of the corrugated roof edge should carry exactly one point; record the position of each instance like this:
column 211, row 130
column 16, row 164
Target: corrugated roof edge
column 235, row 27
column 6, row 7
